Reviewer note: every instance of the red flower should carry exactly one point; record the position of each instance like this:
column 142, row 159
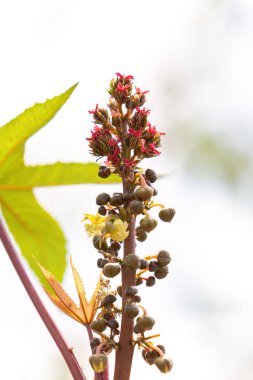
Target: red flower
column 138, row 91
column 122, row 88
column 143, row 111
column 129, row 77
column 135, row 133
column 96, row 132
column 95, row 110
column 153, row 149
column 129, row 163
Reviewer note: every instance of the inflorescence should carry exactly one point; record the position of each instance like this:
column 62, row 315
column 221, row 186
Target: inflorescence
column 123, row 136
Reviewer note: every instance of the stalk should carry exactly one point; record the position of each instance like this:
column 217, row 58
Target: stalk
column 65, row 349
column 124, row 354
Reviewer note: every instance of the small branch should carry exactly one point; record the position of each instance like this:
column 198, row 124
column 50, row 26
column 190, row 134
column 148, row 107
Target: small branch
column 64, row 348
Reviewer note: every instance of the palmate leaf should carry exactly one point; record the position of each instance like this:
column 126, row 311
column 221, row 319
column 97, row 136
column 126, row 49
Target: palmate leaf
column 86, row 311
column 34, row 230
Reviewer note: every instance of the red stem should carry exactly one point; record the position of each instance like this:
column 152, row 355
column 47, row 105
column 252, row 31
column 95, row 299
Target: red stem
column 64, row 348
column 124, row 354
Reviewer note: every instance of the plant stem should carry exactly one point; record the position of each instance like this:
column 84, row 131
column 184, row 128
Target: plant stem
column 65, row 349
column 105, row 374
column 124, row 354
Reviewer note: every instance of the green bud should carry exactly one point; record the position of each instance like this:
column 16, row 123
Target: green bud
column 167, row 214
column 132, row 261
column 98, row 362
column 131, row 310
column 164, row 365
column 144, row 193
column 111, row 270
column 98, row 325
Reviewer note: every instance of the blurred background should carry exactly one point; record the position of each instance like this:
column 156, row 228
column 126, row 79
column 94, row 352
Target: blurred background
column 196, row 58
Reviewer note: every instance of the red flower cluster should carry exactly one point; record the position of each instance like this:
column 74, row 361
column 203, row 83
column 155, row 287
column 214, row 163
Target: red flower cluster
column 123, row 134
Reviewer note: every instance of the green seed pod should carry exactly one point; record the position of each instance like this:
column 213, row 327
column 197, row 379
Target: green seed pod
column 161, row 272
column 94, row 342
column 167, row 214
column 98, row 362
column 131, row 291
column 145, row 322
column 164, row 365
column 119, row 290
column 102, row 199
column 136, row 207
column 131, row 310
column 99, row 243
column 98, row 325
column 144, row 193
column 163, row 258
column 132, row 261
column 148, row 224
column 150, row 175
column 111, row 270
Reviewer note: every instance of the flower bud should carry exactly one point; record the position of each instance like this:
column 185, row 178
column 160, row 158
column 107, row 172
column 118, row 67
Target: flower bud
column 167, row 214
column 98, row 325
column 145, row 322
column 150, row 175
column 161, row 272
column 148, row 224
column 136, row 207
column 144, row 193
column 111, row 270
column 131, row 310
column 163, row 258
column 98, row 362
column 131, row 291
column 132, row 261
column 102, row 199
column 164, row 365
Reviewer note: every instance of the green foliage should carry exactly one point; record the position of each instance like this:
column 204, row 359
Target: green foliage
column 35, row 231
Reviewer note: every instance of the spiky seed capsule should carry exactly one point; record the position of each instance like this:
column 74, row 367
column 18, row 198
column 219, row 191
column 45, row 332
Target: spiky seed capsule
column 131, row 291
column 162, row 348
column 163, row 258
column 131, row 310
column 145, row 322
column 161, row 272
column 99, row 243
column 113, row 324
column 132, row 261
column 144, row 193
column 98, row 362
column 102, row 210
column 94, row 342
column 164, row 365
column 136, row 207
column 108, row 299
column 116, row 199
column 148, row 224
column 119, row 290
column 150, row 281
column 153, row 265
column 98, row 325
column 143, row 264
column 102, row 199
column 140, row 234
column 167, row 214
column 111, row 270
column 151, row 175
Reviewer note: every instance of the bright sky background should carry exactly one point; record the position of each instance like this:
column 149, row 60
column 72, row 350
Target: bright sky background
column 195, row 57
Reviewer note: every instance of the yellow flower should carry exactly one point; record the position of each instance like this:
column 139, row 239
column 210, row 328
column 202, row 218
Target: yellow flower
column 119, row 232
column 95, row 226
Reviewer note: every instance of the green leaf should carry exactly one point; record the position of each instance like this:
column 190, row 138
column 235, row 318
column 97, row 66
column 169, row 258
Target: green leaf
column 27, row 177
column 35, row 231
column 18, row 130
